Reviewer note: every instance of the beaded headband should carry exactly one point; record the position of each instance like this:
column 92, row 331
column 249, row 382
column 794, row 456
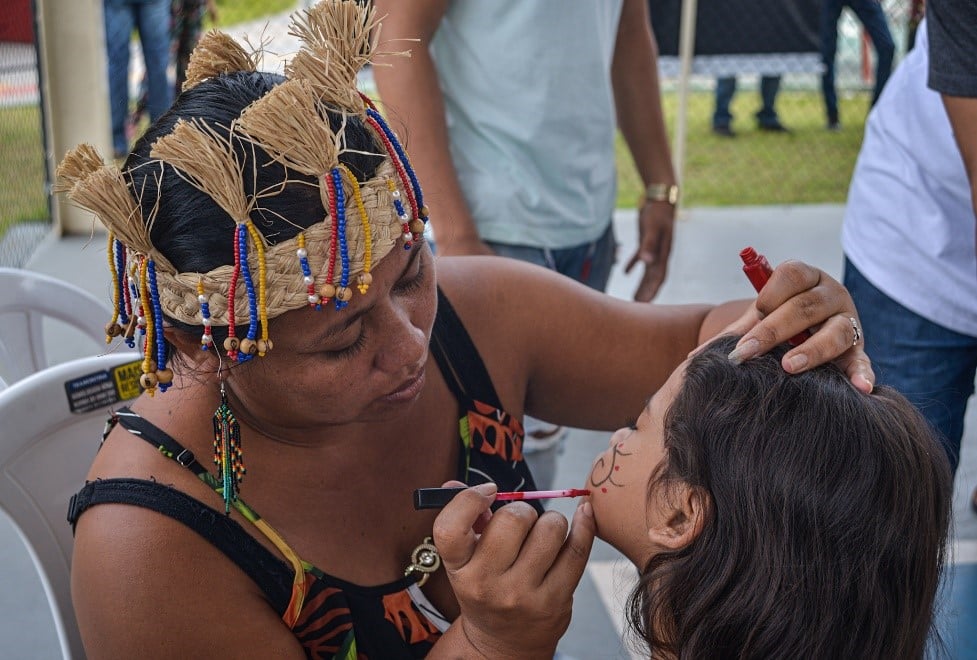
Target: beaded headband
column 323, row 262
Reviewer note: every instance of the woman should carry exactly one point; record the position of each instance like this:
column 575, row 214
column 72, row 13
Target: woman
column 381, row 371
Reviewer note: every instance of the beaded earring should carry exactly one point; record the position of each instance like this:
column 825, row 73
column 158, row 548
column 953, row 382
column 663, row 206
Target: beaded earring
column 227, row 451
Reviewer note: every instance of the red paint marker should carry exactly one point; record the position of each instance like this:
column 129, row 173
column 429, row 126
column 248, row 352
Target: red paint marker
column 435, row 498
column 758, row 271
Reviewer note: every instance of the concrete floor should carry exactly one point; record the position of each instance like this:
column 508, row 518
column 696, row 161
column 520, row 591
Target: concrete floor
column 704, row 268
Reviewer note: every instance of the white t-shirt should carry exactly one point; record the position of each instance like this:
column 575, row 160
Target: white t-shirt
column 530, row 111
column 909, row 223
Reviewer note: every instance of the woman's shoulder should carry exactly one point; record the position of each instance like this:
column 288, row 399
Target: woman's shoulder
column 141, row 579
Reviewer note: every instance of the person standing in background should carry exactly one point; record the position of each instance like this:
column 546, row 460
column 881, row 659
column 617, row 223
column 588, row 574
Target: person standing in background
column 766, row 118
column 909, row 251
column 516, row 127
column 151, row 19
column 188, row 17
column 872, row 17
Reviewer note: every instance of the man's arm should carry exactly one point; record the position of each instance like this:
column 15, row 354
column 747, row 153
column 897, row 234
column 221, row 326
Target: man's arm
column 639, row 114
column 963, row 117
column 951, row 27
column 412, row 98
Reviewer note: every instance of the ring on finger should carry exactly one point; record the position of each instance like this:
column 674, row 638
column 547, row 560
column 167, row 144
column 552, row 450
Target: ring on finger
column 856, row 330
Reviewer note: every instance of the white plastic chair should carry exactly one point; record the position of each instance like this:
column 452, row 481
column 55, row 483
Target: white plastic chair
column 45, row 452
column 26, row 299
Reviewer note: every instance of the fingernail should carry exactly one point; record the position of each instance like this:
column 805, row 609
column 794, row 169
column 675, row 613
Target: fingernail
column 868, row 384
column 487, row 489
column 796, row 363
column 744, row 351
column 586, row 509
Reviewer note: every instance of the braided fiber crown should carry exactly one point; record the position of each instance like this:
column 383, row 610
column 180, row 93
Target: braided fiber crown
column 287, row 289
column 291, row 125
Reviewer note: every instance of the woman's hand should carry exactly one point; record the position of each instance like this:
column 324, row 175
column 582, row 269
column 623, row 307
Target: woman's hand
column 513, row 572
column 799, row 297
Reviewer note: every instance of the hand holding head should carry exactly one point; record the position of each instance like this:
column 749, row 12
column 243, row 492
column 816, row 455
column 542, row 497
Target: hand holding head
column 797, row 298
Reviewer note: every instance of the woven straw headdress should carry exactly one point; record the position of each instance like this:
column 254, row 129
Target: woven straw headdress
column 363, row 220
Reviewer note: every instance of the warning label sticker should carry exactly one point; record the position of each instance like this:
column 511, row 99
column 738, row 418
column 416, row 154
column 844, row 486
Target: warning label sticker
column 101, row 389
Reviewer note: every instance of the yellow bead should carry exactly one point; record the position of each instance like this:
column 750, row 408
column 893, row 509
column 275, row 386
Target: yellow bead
column 424, row 211
column 365, row 279
column 264, row 345
column 344, row 293
column 327, row 291
column 416, row 226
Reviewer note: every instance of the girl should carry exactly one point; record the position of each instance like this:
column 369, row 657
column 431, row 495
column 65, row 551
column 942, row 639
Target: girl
column 770, row 515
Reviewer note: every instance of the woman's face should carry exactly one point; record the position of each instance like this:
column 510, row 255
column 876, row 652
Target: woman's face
column 362, row 363
column 618, row 481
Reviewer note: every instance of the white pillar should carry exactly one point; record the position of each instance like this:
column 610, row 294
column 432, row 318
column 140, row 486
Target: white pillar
column 686, row 48
column 74, row 79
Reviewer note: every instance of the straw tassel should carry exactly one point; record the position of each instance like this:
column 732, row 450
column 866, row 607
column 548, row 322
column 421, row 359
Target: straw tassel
column 217, row 53
column 339, row 37
column 287, row 125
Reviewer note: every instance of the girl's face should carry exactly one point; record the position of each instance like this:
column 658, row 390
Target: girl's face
column 363, row 363
column 618, row 481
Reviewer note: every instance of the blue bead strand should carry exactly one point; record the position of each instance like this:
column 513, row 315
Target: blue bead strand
column 242, row 242
column 157, row 323
column 120, row 265
column 337, row 182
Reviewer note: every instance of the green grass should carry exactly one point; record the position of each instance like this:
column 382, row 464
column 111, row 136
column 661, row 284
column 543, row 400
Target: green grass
column 22, row 168
column 232, row 12
column 810, row 165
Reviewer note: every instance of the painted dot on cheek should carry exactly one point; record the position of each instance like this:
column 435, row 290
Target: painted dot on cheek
column 603, row 490
column 617, row 467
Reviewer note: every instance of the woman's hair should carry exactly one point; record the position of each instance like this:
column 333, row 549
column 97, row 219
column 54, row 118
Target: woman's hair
column 825, row 523
column 188, row 226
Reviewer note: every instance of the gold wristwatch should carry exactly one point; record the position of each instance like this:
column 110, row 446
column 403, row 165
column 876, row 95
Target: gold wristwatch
column 659, row 192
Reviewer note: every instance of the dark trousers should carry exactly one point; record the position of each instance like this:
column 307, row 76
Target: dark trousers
column 872, row 17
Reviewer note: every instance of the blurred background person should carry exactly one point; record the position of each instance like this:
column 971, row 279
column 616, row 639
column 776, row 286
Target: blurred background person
column 766, row 117
column 910, row 255
column 872, row 17
column 151, row 20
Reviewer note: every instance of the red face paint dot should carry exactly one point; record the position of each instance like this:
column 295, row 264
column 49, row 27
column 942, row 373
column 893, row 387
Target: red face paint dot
column 603, row 490
column 617, row 467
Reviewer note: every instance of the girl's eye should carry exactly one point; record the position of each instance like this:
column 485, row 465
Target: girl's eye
column 414, row 282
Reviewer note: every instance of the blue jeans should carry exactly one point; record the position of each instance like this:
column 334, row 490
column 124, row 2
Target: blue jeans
column 152, row 20
column 932, row 366
column 726, row 87
column 872, row 17
column 589, row 263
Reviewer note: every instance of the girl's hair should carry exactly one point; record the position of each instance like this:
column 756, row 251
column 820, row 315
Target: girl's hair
column 825, row 525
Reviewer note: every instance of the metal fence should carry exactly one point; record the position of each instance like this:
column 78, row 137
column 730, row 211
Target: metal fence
column 23, row 197
column 760, row 43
